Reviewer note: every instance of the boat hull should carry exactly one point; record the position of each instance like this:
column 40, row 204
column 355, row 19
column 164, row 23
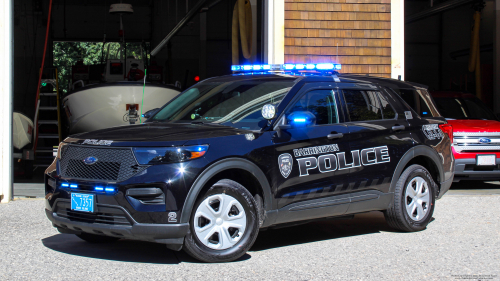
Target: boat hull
column 103, row 106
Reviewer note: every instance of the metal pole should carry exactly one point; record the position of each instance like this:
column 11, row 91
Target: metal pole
column 184, row 20
column 6, row 96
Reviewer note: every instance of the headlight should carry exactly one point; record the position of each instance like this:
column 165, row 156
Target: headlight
column 162, row 155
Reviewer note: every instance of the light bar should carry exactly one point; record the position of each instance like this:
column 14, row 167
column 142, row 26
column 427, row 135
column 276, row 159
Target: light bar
column 286, row 67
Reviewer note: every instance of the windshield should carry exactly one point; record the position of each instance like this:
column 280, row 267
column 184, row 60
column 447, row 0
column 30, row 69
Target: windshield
column 236, row 103
column 464, row 108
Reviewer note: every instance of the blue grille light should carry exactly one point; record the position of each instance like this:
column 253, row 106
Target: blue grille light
column 73, row 185
column 99, row 188
column 109, row 189
column 65, row 184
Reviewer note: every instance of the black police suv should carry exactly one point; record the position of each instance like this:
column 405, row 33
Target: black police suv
column 238, row 153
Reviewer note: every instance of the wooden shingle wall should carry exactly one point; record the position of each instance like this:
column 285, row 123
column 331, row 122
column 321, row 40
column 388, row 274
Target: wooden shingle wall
column 360, row 28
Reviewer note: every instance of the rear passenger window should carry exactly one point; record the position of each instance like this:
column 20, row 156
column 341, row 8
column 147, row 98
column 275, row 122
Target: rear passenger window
column 409, row 97
column 321, row 103
column 367, row 105
column 423, row 106
column 387, row 110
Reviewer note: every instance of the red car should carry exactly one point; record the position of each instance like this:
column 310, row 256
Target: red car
column 476, row 135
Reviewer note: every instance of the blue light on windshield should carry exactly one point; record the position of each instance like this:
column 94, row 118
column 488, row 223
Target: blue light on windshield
column 73, row 185
column 109, row 189
column 99, row 188
column 65, row 184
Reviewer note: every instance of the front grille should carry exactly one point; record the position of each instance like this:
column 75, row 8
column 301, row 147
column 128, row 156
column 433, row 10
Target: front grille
column 104, row 215
column 476, row 142
column 113, row 164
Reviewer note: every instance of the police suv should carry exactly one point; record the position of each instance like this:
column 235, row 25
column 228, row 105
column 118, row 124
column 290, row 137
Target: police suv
column 266, row 146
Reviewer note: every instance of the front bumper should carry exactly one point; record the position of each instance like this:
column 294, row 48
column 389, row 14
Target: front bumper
column 466, row 169
column 114, row 221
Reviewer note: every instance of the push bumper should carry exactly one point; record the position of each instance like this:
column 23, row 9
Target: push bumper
column 159, row 233
column 466, row 169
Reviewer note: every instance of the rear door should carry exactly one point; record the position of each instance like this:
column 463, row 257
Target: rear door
column 378, row 138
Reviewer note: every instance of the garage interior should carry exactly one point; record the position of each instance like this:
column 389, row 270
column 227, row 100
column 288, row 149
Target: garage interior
column 356, row 33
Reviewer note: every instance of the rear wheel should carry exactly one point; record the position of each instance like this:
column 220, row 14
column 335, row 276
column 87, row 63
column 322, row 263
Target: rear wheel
column 414, row 198
column 224, row 223
column 92, row 238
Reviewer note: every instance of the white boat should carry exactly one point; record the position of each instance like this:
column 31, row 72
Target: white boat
column 105, row 105
column 117, row 98
column 22, row 130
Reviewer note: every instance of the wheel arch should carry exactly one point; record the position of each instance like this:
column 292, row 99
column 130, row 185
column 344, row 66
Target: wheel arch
column 223, row 167
column 424, row 156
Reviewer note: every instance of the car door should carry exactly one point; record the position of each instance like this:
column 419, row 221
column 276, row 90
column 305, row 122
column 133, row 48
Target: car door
column 378, row 138
column 306, row 163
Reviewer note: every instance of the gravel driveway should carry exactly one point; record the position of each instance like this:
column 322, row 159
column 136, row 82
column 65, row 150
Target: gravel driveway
column 462, row 240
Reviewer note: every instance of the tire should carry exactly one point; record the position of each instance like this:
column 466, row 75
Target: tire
column 93, row 238
column 224, row 223
column 407, row 213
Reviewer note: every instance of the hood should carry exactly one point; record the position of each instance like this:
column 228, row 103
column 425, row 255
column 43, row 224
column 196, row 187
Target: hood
column 149, row 134
column 470, row 126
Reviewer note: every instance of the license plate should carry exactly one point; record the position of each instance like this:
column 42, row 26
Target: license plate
column 486, row 160
column 82, row 202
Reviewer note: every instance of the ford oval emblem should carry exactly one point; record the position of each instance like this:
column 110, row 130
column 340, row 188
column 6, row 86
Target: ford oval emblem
column 484, row 140
column 90, row 160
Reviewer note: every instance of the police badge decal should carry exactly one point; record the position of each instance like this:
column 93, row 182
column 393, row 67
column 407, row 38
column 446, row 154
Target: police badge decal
column 285, row 162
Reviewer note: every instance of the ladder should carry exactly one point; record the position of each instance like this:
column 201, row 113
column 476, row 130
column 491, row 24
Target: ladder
column 48, row 119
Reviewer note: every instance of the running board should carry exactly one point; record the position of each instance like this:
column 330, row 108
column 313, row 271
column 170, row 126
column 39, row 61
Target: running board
column 328, row 207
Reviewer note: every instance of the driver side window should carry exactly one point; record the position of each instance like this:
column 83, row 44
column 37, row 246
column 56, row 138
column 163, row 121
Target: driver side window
column 321, row 103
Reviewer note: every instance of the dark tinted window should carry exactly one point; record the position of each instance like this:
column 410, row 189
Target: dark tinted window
column 409, row 97
column 460, row 108
column 387, row 110
column 424, row 106
column 363, row 105
column 321, row 103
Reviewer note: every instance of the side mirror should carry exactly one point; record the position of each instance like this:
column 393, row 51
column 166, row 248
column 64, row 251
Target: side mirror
column 150, row 113
column 297, row 119
column 269, row 111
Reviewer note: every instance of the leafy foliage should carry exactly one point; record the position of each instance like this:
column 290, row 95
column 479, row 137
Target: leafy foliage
column 66, row 54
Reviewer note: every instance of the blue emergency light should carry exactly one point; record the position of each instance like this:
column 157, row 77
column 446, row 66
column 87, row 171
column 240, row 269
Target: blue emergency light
column 286, row 67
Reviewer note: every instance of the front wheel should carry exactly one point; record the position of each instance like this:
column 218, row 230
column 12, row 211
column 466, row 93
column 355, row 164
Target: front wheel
column 414, row 198
column 224, row 223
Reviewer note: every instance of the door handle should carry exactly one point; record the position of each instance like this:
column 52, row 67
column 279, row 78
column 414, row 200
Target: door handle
column 398, row 128
column 335, row 136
